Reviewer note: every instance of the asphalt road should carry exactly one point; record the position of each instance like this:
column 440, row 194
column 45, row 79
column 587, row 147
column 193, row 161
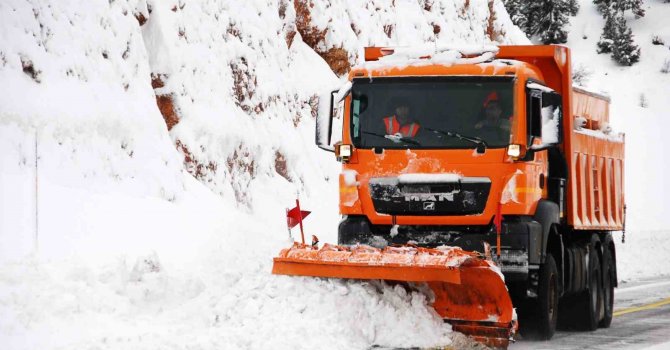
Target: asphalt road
column 641, row 320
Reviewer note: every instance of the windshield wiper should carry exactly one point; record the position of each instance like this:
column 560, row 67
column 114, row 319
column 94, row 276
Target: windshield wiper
column 394, row 138
column 481, row 144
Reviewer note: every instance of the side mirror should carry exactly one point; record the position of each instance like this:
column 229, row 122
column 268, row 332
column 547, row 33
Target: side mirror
column 534, row 115
column 545, row 118
column 324, row 118
column 324, row 121
column 552, row 118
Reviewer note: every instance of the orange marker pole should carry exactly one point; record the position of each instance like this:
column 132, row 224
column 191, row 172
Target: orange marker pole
column 302, row 233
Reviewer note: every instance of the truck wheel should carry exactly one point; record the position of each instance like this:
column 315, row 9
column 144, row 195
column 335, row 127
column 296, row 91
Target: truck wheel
column 547, row 299
column 590, row 302
column 540, row 315
column 608, row 288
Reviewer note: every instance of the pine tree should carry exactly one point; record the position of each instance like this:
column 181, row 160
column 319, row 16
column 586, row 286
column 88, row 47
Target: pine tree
column 574, row 7
column 533, row 11
column 544, row 19
column 550, row 26
column 607, row 37
column 517, row 12
column 634, row 5
column 624, row 49
column 603, row 6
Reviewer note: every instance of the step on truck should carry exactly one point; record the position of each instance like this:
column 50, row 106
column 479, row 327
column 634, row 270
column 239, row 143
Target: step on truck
column 491, row 155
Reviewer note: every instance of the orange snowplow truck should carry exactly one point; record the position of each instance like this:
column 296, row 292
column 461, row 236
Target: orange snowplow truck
column 448, row 147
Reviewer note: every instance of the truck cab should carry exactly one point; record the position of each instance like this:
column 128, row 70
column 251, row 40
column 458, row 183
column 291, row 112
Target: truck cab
column 472, row 158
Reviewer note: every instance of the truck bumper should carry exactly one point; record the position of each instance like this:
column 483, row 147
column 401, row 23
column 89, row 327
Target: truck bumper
column 520, row 239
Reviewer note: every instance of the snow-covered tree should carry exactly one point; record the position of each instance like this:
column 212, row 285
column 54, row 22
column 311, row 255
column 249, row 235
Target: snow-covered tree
column 624, row 49
column 634, row 5
column 518, row 11
column 543, row 19
column 603, row 6
column 574, row 7
column 607, row 37
column 551, row 24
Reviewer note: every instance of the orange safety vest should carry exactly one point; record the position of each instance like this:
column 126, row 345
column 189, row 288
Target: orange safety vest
column 393, row 127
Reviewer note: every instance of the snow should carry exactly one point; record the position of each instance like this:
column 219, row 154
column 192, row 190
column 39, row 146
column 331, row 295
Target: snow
column 540, row 87
column 412, row 58
column 618, row 137
column 550, row 116
column 350, row 177
column 510, row 193
column 659, row 346
column 419, row 178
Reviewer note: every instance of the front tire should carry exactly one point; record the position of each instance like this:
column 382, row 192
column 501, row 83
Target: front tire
column 548, row 299
column 542, row 313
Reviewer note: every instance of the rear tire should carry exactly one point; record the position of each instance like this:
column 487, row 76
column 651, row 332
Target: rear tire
column 589, row 304
column 608, row 289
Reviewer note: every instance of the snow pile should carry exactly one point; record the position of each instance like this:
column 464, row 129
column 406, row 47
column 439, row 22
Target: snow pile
column 125, row 248
column 425, row 55
column 224, row 300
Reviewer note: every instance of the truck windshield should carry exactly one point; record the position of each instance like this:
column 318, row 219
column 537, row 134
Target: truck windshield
column 432, row 112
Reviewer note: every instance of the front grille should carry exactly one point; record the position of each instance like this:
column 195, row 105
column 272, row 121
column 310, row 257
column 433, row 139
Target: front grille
column 465, row 197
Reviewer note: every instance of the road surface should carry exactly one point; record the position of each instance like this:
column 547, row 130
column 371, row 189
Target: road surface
column 641, row 320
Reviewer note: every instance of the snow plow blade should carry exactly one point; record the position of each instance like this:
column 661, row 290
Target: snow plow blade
column 469, row 291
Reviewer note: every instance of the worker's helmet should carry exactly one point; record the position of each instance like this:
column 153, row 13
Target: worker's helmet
column 492, row 97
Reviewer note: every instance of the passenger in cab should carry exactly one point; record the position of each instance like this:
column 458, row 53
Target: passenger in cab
column 493, row 128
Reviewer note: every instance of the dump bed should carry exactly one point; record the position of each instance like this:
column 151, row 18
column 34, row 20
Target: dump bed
column 594, row 155
column 595, row 158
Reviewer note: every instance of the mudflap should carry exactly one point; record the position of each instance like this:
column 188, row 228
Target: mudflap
column 469, row 290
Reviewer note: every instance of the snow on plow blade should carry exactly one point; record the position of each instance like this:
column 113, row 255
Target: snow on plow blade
column 469, row 293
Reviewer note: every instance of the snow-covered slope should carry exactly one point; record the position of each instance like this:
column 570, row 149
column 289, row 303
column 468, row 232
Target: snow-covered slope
column 640, row 107
column 116, row 232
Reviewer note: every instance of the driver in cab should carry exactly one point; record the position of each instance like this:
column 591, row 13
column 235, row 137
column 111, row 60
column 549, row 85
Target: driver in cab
column 400, row 123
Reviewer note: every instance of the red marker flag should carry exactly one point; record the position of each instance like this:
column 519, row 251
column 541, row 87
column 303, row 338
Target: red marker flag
column 294, row 216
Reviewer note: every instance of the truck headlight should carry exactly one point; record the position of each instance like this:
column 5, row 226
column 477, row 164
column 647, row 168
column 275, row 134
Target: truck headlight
column 343, row 152
column 514, row 151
